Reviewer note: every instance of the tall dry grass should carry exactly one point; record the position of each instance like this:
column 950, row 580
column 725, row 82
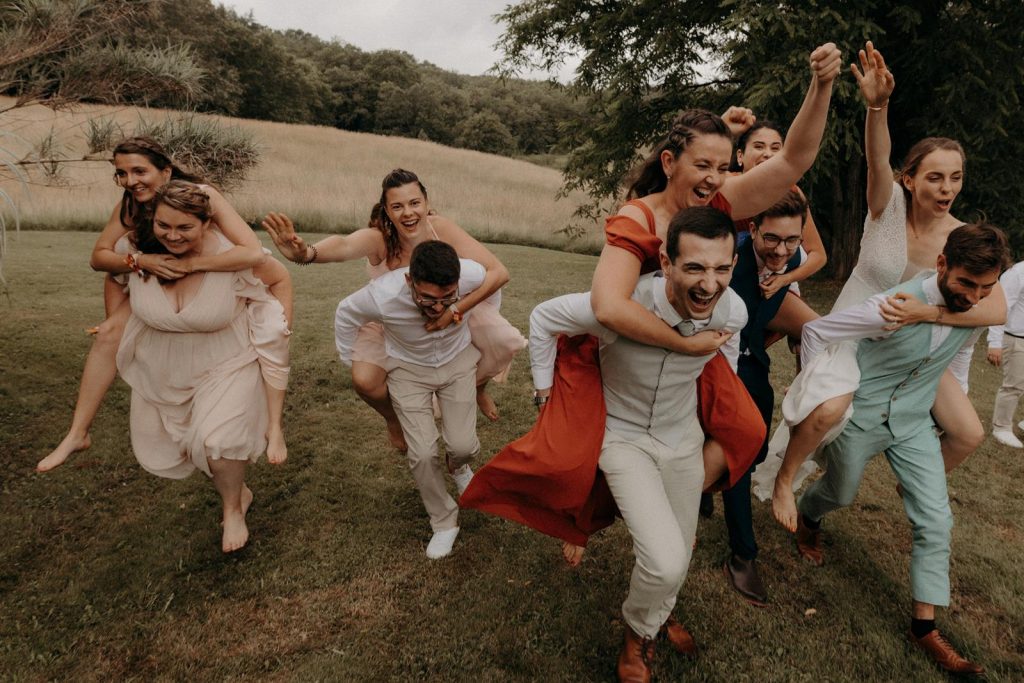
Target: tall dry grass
column 325, row 178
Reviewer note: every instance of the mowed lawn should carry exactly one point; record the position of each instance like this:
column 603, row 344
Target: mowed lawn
column 108, row 573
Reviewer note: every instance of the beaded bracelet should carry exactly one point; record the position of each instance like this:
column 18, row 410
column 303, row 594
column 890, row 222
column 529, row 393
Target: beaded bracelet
column 456, row 314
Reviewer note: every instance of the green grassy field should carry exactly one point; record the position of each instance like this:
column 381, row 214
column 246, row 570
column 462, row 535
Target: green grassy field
column 108, row 573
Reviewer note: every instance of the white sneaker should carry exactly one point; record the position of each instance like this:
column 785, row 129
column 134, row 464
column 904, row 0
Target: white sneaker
column 462, row 477
column 1007, row 438
column 1020, row 425
column 441, row 543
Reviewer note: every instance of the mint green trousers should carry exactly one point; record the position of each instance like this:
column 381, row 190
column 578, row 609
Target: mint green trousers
column 917, row 462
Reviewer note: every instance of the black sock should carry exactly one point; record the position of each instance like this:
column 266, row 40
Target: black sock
column 810, row 523
column 921, row 627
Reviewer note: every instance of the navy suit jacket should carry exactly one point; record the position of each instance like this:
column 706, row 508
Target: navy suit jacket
column 760, row 311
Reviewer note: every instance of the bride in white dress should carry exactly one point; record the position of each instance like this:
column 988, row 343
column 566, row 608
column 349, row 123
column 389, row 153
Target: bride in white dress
column 906, row 227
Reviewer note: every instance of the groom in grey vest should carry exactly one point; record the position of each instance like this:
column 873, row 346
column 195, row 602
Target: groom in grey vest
column 900, row 373
column 651, row 456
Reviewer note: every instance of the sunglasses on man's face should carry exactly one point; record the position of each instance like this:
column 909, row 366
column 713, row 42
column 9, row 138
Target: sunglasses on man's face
column 428, row 302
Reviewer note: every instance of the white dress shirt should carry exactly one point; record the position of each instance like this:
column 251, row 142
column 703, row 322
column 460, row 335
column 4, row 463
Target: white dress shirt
column 388, row 300
column 865, row 321
column 1013, row 286
column 573, row 315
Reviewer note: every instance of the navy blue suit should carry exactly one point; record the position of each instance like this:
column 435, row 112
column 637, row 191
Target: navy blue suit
column 752, row 368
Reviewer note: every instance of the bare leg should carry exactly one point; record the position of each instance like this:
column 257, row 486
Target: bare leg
column 370, row 382
column 953, row 412
column 791, row 317
column 97, row 376
column 229, row 480
column 804, row 438
column 486, row 403
column 715, row 465
column 277, row 451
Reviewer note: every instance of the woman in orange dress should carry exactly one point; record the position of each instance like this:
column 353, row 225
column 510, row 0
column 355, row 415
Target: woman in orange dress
column 548, row 479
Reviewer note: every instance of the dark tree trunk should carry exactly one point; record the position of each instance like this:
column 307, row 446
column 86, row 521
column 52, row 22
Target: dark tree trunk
column 847, row 219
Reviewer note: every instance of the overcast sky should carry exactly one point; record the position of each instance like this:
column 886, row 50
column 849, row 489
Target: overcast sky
column 458, row 35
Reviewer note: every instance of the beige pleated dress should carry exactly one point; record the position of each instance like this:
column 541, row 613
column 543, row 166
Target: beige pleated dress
column 197, row 374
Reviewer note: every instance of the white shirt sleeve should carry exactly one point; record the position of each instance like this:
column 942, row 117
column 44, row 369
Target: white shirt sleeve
column 1012, row 282
column 570, row 314
column 960, row 366
column 863, row 321
column 471, row 276
column 353, row 312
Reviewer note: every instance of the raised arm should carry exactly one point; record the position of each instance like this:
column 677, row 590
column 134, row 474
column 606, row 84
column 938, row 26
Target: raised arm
column 876, row 84
column 751, row 193
column 365, row 242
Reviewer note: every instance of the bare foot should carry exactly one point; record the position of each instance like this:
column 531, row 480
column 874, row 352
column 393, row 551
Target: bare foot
column 573, row 554
column 397, row 437
column 784, row 505
column 58, row 455
column 486, row 403
column 277, row 451
column 236, row 533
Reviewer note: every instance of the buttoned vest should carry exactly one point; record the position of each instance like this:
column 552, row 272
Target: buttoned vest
column 648, row 389
column 899, row 374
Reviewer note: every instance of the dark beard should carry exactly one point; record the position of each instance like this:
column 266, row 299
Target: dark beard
column 954, row 302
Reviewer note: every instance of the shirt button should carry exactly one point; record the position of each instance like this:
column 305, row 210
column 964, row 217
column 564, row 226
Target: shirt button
column 885, row 414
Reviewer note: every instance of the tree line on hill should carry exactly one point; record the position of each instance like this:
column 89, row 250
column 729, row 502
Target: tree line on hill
column 255, row 72
column 957, row 68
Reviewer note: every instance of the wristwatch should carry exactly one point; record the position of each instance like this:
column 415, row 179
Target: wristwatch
column 539, row 400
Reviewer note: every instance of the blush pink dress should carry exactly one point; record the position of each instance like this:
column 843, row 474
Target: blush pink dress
column 197, row 374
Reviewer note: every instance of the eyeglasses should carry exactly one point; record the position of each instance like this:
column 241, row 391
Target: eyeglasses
column 426, row 302
column 771, row 241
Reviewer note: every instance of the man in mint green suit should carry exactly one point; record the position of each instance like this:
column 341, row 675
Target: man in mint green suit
column 900, row 371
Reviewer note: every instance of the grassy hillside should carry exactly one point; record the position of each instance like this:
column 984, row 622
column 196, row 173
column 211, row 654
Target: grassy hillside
column 327, row 179
column 108, row 573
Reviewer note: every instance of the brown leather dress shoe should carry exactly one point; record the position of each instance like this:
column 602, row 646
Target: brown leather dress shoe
column 945, row 655
column 743, row 576
column 808, row 542
column 636, row 658
column 678, row 637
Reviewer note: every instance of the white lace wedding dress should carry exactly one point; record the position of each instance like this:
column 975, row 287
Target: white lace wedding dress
column 882, row 264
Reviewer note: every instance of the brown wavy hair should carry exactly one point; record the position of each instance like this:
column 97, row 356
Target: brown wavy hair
column 178, row 194
column 649, row 177
column 379, row 218
column 131, row 211
column 916, row 155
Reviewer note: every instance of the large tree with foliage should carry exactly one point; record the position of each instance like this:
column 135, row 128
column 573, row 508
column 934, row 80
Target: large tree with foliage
column 957, row 66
